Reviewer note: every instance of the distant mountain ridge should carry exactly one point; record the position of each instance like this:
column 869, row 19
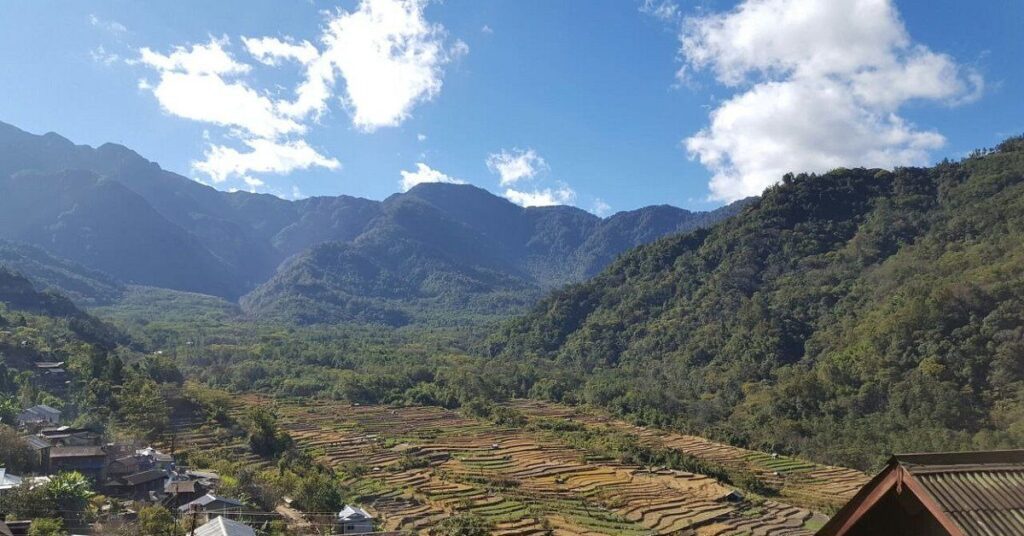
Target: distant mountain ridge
column 322, row 259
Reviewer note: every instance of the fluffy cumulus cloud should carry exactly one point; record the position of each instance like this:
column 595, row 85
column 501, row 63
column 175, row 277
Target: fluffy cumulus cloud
column 516, row 165
column 425, row 173
column 390, row 56
column 377, row 62
column 263, row 156
column 819, row 84
column 546, row 197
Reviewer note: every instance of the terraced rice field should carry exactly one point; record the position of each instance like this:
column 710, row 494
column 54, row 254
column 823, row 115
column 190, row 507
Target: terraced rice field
column 422, row 464
column 801, row 482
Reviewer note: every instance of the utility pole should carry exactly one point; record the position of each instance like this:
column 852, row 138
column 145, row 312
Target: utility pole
column 192, row 531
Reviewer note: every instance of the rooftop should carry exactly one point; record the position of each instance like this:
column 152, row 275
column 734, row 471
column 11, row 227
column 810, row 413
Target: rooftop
column 222, row 526
column 76, row 452
column 967, row 493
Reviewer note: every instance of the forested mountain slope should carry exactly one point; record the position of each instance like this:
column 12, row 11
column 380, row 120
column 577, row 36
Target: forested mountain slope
column 444, row 251
column 82, row 285
column 453, row 247
column 844, row 316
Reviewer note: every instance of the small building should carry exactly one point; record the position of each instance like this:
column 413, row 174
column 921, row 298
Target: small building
column 140, row 486
column 221, row 526
column 67, row 436
column 156, row 458
column 39, row 415
column 8, row 481
column 354, row 520
column 941, row 494
column 40, row 448
column 90, row 461
column 181, row 492
column 212, row 505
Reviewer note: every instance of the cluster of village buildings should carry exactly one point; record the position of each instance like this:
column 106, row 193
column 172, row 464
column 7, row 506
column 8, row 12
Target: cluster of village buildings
column 135, row 475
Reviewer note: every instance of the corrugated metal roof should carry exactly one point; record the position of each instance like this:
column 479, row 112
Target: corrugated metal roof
column 222, row 526
column 983, row 494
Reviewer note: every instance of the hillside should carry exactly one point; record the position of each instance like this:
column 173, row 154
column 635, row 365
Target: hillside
column 842, row 316
column 443, row 252
column 84, row 286
column 422, row 254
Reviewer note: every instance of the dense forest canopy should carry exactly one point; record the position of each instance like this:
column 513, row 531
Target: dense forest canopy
column 842, row 316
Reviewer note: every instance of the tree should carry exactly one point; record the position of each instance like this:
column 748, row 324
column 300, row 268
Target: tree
column 15, row 454
column 462, row 525
column 264, row 436
column 70, row 493
column 157, row 521
column 318, row 492
column 143, row 408
column 46, row 526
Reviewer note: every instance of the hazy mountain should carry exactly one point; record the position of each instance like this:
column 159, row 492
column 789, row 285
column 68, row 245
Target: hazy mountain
column 83, row 285
column 448, row 251
column 435, row 249
column 860, row 311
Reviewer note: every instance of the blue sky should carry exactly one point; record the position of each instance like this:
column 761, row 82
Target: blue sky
column 607, row 105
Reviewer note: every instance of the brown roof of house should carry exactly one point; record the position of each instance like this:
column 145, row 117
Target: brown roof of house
column 970, row 493
column 76, row 452
column 144, row 477
column 180, row 486
column 982, row 492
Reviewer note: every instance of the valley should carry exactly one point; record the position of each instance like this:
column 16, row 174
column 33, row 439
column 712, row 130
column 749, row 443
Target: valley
column 414, row 466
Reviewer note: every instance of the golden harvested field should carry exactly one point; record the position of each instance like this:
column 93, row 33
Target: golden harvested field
column 425, row 463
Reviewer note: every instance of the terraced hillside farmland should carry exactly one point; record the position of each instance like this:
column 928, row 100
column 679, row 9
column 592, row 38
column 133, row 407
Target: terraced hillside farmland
column 416, row 466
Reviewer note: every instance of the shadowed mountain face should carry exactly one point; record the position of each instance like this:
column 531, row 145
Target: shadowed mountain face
column 327, row 259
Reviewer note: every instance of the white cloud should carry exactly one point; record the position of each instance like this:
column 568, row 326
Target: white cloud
column 253, row 183
column 265, row 156
column 200, row 83
column 390, row 56
column 665, row 10
column 423, row 174
column 100, row 55
column 271, row 50
column 486, row 29
column 111, row 26
column 541, row 198
column 820, row 86
column 601, row 208
column 297, row 194
column 421, row 137
column 515, row 165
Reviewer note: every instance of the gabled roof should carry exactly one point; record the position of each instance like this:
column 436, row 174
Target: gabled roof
column 180, row 486
column 44, row 409
column 36, row 442
column 353, row 513
column 209, row 499
column 77, row 452
column 144, row 477
column 222, row 526
column 967, row 493
column 7, row 480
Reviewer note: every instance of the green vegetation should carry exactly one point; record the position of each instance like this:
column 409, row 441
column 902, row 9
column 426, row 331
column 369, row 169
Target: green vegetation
column 842, row 317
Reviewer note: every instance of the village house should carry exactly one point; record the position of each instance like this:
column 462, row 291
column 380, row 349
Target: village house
column 8, row 481
column 66, row 436
column 91, row 461
column 142, row 486
column 222, row 526
column 181, row 492
column 40, row 452
column 942, row 494
column 354, row 520
column 40, row 415
column 211, row 505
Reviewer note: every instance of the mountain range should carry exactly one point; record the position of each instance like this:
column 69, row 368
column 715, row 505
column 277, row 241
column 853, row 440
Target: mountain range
column 111, row 217
column 841, row 316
